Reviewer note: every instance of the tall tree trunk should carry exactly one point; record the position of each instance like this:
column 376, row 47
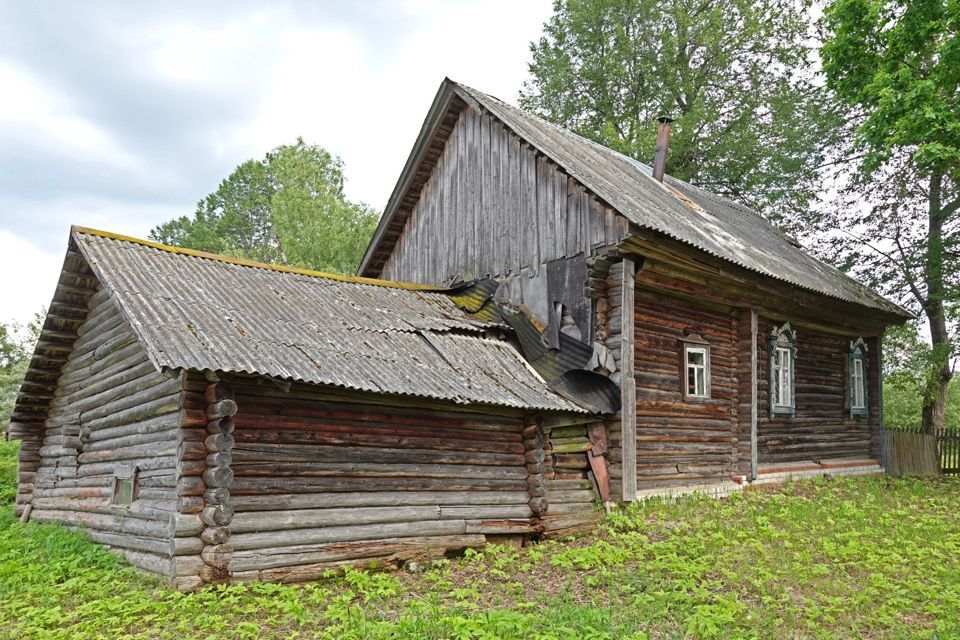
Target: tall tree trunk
column 938, row 383
column 935, row 398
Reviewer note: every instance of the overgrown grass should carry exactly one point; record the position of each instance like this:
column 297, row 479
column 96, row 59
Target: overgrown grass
column 8, row 471
column 870, row 558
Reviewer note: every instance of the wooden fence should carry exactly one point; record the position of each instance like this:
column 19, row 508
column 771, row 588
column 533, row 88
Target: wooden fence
column 949, row 453
column 911, row 454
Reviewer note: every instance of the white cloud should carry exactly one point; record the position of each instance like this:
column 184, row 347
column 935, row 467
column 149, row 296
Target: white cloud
column 32, row 112
column 120, row 119
column 30, row 277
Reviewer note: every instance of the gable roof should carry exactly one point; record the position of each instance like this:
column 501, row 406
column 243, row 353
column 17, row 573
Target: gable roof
column 199, row 311
column 716, row 225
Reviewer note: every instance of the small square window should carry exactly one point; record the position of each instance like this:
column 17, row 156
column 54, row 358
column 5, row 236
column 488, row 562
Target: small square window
column 124, row 486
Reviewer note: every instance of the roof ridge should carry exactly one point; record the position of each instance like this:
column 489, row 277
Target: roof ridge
column 374, row 282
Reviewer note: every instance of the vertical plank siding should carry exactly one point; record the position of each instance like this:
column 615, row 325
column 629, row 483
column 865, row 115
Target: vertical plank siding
column 678, row 442
column 821, row 427
column 112, row 408
column 494, row 207
column 748, row 413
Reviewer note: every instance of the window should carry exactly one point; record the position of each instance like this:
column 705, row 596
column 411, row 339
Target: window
column 857, row 378
column 124, row 486
column 782, row 384
column 696, row 373
column 783, row 352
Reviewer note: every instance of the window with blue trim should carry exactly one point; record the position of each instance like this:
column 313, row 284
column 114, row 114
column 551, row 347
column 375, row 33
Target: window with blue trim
column 857, row 379
column 782, row 347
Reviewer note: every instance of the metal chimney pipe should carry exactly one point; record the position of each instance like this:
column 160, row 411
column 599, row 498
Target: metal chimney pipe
column 663, row 146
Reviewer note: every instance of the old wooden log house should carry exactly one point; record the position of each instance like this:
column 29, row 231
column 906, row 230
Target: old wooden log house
column 584, row 328
column 739, row 357
column 214, row 420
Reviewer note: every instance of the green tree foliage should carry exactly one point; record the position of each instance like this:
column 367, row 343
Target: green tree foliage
column 896, row 65
column 908, row 366
column 16, row 348
column 749, row 122
column 288, row 208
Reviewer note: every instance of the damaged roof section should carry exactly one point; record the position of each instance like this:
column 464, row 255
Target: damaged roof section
column 204, row 312
column 676, row 209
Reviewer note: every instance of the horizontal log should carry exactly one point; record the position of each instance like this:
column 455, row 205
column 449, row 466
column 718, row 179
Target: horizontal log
column 151, row 409
column 216, row 556
column 246, row 541
column 255, row 485
column 104, row 366
column 215, row 535
column 375, row 499
column 186, row 525
column 572, row 447
column 218, row 442
column 129, row 375
column 312, row 401
column 221, row 409
column 217, row 391
column 165, row 387
column 370, row 470
column 166, row 548
column 217, row 515
column 221, row 425
column 102, row 505
column 260, row 521
column 500, row 527
column 150, row 562
column 317, row 433
column 108, row 523
column 135, row 432
column 138, row 439
column 254, row 452
column 304, row 555
column 187, row 565
column 146, row 450
column 216, row 477
column 149, row 463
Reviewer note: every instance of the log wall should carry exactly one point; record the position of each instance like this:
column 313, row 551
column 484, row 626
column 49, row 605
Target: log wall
column 495, row 207
column 821, row 427
column 111, row 409
column 318, row 479
column 678, row 442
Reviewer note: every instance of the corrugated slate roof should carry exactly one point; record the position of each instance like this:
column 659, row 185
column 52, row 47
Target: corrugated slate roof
column 721, row 227
column 717, row 226
column 199, row 311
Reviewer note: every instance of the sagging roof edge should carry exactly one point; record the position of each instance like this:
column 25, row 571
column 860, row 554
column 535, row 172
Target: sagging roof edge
column 450, row 89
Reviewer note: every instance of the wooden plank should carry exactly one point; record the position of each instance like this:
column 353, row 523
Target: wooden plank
column 754, row 392
column 628, row 387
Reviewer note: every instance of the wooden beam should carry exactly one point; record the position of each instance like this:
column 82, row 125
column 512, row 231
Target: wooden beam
column 754, row 393
column 722, row 282
column 628, row 385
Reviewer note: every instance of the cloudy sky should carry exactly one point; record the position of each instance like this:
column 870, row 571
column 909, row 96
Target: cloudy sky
column 121, row 115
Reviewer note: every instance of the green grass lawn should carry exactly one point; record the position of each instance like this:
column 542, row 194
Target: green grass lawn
column 865, row 558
